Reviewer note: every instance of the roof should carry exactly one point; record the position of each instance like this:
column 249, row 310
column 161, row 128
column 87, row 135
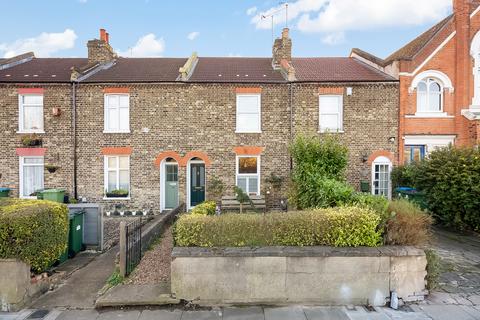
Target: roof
column 207, row 69
column 222, row 69
column 408, row 51
column 42, row 70
column 336, row 70
column 140, row 70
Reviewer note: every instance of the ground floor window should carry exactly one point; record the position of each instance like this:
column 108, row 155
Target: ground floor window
column 248, row 174
column 414, row 153
column 381, row 168
column 31, row 175
column 117, row 176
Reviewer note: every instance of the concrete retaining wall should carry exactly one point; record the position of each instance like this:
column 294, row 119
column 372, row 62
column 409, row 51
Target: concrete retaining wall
column 289, row 275
column 16, row 287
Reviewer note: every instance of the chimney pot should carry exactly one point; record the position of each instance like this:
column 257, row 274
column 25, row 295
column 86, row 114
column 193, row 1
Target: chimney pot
column 285, row 32
column 103, row 35
column 107, row 38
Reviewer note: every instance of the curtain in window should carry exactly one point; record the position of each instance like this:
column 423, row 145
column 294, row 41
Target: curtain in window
column 32, row 176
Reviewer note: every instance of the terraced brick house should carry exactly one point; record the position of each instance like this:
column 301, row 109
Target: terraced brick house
column 439, row 74
column 161, row 128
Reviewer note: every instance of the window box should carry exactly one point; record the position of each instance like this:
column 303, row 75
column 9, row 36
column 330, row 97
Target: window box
column 31, row 140
column 120, row 193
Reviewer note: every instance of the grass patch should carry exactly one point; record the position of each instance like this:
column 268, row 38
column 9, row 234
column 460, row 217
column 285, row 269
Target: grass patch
column 433, row 269
column 115, row 279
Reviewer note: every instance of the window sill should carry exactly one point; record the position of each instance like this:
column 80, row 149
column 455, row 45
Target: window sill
column 119, row 198
column 423, row 115
column 25, row 132
column 106, row 131
column 248, row 132
column 328, row 131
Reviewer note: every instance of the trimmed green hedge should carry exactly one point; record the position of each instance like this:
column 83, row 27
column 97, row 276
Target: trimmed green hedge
column 206, row 208
column 340, row 227
column 33, row 231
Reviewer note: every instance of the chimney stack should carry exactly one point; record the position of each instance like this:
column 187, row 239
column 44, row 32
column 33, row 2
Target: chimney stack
column 99, row 50
column 461, row 11
column 282, row 49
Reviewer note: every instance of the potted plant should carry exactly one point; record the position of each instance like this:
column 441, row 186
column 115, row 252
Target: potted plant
column 51, row 168
column 117, row 193
column 215, row 190
column 31, row 140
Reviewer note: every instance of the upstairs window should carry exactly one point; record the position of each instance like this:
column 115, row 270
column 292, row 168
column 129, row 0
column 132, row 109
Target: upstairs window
column 414, row 153
column 117, row 113
column 248, row 113
column 117, row 176
column 429, row 96
column 31, row 175
column 31, row 113
column 248, row 174
column 331, row 113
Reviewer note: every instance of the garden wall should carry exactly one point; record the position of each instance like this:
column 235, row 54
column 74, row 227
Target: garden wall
column 289, row 275
column 17, row 288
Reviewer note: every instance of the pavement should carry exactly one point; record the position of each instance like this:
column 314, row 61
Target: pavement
column 80, row 290
column 426, row 312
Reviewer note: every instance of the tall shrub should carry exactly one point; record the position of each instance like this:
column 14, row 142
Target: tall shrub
column 450, row 178
column 319, row 172
column 33, row 231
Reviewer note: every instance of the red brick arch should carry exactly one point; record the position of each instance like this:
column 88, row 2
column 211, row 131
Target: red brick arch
column 168, row 154
column 380, row 153
column 196, row 154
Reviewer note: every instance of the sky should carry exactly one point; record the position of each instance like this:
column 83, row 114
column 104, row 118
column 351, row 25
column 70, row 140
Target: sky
column 176, row 28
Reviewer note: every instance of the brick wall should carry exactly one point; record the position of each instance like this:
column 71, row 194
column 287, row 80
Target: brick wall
column 370, row 119
column 57, row 138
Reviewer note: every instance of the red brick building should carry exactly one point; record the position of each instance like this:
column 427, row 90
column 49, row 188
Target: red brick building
column 439, row 74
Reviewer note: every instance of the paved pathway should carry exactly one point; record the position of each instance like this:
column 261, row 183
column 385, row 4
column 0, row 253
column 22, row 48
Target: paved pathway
column 460, row 265
column 80, row 290
column 426, row 312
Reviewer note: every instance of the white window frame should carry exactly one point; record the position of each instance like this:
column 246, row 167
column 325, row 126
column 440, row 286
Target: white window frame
column 117, row 169
column 382, row 161
column 21, row 169
column 248, row 175
column 428, row 81
column 21, row 118
column 106, row 128
column 340, row 114
column 259, row 128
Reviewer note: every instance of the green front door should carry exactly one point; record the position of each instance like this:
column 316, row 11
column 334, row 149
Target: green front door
column 197, row 183
column 171, row 186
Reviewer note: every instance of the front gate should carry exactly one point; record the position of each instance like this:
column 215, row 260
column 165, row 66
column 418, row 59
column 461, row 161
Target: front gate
column 130, row 246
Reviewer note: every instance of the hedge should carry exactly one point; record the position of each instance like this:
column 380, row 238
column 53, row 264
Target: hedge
column 206, row 208
column 33, row 231
column 340, row 227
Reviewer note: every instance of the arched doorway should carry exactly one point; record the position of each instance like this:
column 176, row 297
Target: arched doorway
column 168, row 184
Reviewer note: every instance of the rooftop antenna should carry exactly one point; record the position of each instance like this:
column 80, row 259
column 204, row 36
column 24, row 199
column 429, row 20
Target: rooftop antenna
column 272, row 15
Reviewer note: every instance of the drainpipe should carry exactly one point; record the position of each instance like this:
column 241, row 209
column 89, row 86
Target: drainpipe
column 290, row 103
column 74, row 129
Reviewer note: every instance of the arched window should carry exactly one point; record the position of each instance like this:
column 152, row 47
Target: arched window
column 429, row 95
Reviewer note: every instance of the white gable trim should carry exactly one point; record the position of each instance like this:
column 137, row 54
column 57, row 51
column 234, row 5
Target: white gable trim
column 474, row 12
column 446, row 82
column 430, row 57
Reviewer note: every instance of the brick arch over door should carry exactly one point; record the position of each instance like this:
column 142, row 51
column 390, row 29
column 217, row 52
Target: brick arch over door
column 196, row 154
column 380, row 153
column 168, row 154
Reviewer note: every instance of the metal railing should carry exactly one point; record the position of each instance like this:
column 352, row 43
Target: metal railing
column 130, row 245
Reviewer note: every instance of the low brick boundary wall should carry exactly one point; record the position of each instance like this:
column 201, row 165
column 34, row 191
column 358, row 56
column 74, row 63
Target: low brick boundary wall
column 291, row 275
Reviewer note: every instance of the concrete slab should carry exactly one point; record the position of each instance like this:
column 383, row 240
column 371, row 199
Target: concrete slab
column 284, row 313
column 474, row 312
column 325, row 313
column 136, row 295
column 250, row 313
column 446, row 312
column 202, row 315
column 20, row 315
column 361, row 314
column 161, row 315
column 80, row 290
column 125, row 314
column 78, row 315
